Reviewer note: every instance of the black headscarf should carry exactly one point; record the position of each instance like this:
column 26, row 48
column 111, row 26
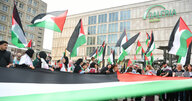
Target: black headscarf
column 92, row 65
column 43, row 55
column 78, row 61
column 30, row 52
column 66, row 61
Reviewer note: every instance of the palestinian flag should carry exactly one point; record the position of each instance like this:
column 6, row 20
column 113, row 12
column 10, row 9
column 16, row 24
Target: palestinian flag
column 29, row 45
column 146, row 61
column 77, row 39
column 101, row 53
column 111, row 58
column 142, row 53
column 94, row 54
column 151, row 46
column 18, row 37
column 138, row 47
column 126, row 47
column 180, row 39
column 123, row 39
column 129, row 63
column 53, row 20
column 35, row 85
column 151, row 59
column 135, row 58
column 186, row 60
column 147, row 40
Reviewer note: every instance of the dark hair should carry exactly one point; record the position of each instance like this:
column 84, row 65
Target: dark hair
column 66, row 61
column 30, row 52
column 50, row 57
column 139, row 71
column 84, row 64
column 79, row 61
column 2, row 42
column 43, row 55
column 58, row 61
column 92, row 65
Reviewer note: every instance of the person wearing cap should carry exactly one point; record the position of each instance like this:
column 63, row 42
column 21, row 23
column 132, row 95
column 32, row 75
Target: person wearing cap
column 6, row 59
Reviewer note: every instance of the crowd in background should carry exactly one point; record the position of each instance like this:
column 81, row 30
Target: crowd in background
column 84, row 66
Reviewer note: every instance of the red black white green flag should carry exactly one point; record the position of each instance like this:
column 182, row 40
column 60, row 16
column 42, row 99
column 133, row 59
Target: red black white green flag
column 180, row 39
column 95, row 53
column 151, row 46
column 18, row 37
column 76, row 40
column 101, row 52
column 53, row 20
column 147, row 40
column 126, row 47
column 111, row 58
column 86, row 87
column 138, row 47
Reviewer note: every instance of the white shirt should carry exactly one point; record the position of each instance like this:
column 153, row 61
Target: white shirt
column 25, row 59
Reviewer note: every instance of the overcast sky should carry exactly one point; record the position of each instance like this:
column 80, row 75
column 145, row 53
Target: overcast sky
column 79, row 6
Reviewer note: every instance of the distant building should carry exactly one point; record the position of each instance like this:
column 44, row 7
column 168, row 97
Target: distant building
column 159, row 16
column 28, row 9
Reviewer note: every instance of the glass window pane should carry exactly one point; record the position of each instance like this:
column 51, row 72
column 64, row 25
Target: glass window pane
column 125, row 25
column 102, row 29
column 113, row 17
column 125, row 15
column 92, row 20
column 100, row 39
column 91, row 30
column 113, row 27
column 112, row 38
column 102, row 18
column 90, row 40
column 113, row 48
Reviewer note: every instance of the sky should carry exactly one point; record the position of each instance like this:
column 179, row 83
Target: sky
column 79, row 6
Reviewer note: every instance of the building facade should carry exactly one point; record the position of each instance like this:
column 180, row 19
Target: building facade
column 159, row 16
column 27, row 9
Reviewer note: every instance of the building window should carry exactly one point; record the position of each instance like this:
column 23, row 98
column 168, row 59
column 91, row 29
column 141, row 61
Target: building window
column 1, row 37
column 112, row 38
column 92, row 20
column 91, row 30
column 34, row 11
column 21, row 5
column 28, row 17
column 102, row 28
column 29, row 9
column 35, row 3
column 125, row 15
column 20, row 14
column 113, row 48
column 100, row 39
column 90, row 50
column 2, row 27
column 4, row 8
column 9, row 39
column 125, row 25
column 113, row 27
column 3, row 18
column 6, row 0
column 102, row 18
column 90, row 40
column 113, row 17
column 29, row 1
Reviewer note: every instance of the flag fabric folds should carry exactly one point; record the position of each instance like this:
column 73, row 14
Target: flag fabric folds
column 126, row 47
column 29, row 45
column 18, row 37
column 53, row 20
column 123, row 38
column 147, row 40
column 101, row 52
column 186, row 60
column 111, row 58
column 84, row 87
column 180, row 39
column 138, row 47
column 95, row 53
column 76, row 40
column 151, row 46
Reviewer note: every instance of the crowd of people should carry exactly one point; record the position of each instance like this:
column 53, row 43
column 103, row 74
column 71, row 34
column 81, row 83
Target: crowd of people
column 84, row 66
